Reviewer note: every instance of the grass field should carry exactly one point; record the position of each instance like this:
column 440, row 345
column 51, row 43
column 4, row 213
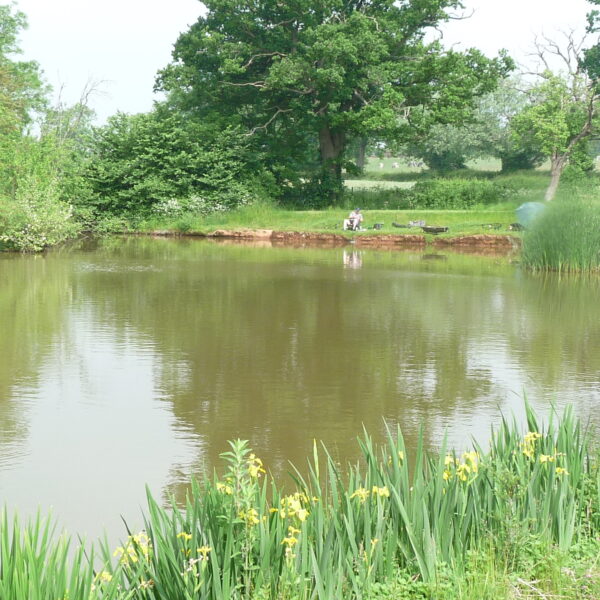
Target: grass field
column 330, row 221
column 490, row 165
column 386, row 165
column 370, row 184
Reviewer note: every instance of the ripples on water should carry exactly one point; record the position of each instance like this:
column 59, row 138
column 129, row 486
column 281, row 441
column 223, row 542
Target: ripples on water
column 134, row 362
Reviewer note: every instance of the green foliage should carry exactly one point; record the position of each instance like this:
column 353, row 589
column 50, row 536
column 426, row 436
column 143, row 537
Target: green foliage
column 559, row 122
column 33, row 215
column 306, row 78
column 21, row 89
column 35, row 564
column 160, row 162
column 494, row 118
column 524, row 186
column 38, row 175
column 377, row 198
column 555, row 118
column 455, row 193
column 436, row 525
column 35, row 219
column 69, row 129
column 487, row 132
column 454, row 190
column 591, row 56
column 446, row 147
column 318, row 192
column 581, row 161
column 522, row 157
column 376, row 528
column 566, row 237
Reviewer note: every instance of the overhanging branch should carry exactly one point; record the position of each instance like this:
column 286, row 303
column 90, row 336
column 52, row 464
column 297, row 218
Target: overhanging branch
column 275, row 115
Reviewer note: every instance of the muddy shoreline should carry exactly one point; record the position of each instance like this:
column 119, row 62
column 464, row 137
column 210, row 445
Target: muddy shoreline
column 476, row 243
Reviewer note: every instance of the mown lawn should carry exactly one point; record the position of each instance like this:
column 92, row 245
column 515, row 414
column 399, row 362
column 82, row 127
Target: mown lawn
column 460, row 222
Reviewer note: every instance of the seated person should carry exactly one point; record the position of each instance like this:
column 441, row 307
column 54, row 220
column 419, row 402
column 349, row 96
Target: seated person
column 354, row 220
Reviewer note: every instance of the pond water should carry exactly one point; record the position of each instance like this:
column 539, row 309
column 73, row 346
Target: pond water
column 132, row 361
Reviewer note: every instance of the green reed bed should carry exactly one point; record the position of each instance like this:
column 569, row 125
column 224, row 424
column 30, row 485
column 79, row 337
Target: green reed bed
column 35, row 564
column 521, row 516
column 565, row 238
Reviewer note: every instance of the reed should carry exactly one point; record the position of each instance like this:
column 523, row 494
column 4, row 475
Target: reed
column 341, row 532
column 432, row 525
column 565, row 238
column 37, row 564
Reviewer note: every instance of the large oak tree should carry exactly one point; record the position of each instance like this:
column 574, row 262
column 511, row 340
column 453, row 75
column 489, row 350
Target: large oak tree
column 320, row 72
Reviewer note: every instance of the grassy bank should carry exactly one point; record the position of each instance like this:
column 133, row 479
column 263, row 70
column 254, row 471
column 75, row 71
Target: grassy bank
column 519, row 520
column 469, row 202
column 265, row 216
column 382, row 196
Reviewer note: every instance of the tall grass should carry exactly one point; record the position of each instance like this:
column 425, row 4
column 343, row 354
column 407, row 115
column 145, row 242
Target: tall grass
column 387, row 526
column 566, row 237
column 36, row 565
column 341, row 532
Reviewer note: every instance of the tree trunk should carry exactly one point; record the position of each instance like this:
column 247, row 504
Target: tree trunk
column 331, row 145
column 557, row 166
column 361, row 153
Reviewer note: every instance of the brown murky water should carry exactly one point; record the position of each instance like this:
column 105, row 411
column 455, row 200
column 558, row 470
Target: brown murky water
column 133, row 361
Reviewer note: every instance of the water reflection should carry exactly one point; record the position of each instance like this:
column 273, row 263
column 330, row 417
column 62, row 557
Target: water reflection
column 352, row 259
column 133, row 361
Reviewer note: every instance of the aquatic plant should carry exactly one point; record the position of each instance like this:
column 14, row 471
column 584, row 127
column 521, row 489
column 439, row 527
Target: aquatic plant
column 340, row 531
column 565, row 238
column 391, row 525
column 35, row 563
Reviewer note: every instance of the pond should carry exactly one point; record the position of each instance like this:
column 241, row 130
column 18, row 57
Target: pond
column 132, row 361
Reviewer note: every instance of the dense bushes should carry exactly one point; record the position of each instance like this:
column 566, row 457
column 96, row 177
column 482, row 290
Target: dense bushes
column 35, row 218
column 376, row 198
column 33, row 212
column 160, row 163
column 57, row 175
column 38, row 175
column 453, row 193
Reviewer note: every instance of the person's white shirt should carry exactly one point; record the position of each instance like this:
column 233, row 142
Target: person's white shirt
column 356, row 217
column 354, row 220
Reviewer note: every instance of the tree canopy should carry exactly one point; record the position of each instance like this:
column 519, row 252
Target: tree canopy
column 310, row 75
column 21, row 87
column 489, row 132
column 37, row 169
column 590, row 61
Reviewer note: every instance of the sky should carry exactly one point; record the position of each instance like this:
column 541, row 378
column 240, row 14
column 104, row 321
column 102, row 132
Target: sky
column 123, row 43
column 119, row 43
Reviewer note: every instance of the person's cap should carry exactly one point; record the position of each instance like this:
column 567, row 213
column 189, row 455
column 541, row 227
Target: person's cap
column 357, row 209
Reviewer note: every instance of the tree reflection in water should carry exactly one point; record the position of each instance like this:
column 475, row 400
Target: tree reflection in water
column 283, row 346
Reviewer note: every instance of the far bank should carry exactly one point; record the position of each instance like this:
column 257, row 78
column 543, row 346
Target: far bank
column 477, row 229
column 485, row 243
